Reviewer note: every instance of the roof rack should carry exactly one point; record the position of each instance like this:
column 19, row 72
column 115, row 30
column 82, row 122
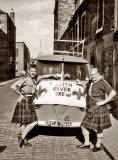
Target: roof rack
column 61, row 47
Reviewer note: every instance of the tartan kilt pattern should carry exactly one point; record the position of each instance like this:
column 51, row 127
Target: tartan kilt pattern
column 23, row 113
column 99, row 121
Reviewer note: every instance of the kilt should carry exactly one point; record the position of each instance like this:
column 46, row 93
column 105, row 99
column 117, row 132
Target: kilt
column 99, row 121
column 24, row 113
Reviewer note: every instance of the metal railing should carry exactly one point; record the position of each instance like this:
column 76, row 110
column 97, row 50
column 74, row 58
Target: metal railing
column 66, row 47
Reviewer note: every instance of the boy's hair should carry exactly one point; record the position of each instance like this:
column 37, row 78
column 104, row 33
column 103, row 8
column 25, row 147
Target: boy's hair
column 32, row 66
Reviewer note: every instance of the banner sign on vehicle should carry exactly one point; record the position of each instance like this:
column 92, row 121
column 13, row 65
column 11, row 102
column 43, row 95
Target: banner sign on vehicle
column 60, row 92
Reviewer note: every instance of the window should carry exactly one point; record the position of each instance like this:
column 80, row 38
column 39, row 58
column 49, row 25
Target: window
column 116, row 67
column 117, row 11
column 74, row 45
column 53, row 69
column 79, row 28
column 100, row 14
column 75, row 32
column 82, row 26
column 116, row 14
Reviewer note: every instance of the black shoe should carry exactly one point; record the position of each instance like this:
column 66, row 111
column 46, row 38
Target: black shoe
column 20, row 141
column 83, row 146
column 96, row 149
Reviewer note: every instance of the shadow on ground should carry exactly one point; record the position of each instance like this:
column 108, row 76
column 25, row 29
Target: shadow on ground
column 55, row 131
column 2, row 148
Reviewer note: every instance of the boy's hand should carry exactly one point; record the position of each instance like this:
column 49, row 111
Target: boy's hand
column 78, row 82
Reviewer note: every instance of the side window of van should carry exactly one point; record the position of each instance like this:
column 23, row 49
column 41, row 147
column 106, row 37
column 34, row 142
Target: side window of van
column 45, row 70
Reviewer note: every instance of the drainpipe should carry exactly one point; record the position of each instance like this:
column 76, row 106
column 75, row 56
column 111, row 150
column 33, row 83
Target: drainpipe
column 115, row 14
column 114, row 67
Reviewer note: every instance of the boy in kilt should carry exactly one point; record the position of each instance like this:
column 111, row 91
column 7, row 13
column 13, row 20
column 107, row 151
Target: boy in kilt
column 25, row 88
column 24, row 113
column 97, row 118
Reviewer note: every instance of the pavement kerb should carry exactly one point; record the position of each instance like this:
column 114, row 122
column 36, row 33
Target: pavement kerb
column 7, row 82
column 108, row 152
column 110, row 139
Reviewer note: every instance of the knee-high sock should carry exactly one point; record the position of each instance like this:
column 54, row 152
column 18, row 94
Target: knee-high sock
column 86, row 135
column 99, row 139
column 21, row 129
column 28, row 128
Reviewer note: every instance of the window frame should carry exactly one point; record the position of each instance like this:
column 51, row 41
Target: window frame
column 116, row 14
column 80, row 26
column 99, row 29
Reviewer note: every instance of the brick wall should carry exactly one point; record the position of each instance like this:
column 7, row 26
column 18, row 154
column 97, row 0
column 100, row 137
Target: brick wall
column 20, row 57
column 97, row 44
column 7, row 47
column 3, row 56
column 56, row 20
column 91, row 18
column 63, row 12
column 66, row 9
column 26, row 57
column 109, row 16
column 23, row 57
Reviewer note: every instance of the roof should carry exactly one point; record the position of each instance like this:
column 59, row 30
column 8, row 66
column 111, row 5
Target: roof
column 62, row 58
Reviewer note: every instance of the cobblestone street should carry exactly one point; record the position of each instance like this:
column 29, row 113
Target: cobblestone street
column 59, row 80
column 44, row 147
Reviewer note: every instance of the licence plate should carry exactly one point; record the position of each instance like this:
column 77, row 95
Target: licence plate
column 59, row 123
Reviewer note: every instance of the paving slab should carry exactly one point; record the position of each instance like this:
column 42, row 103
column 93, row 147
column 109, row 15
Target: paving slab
column 110, row 140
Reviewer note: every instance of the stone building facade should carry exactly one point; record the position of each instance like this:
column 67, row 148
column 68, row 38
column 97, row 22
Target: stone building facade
column 7, row 46
column 95, row 22
column 64, row 10
column 22, row 57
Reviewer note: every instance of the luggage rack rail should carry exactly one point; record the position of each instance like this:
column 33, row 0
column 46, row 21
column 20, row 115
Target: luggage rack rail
column 62, row 47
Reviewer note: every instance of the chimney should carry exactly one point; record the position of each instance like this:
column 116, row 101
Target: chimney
column 12, row 15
